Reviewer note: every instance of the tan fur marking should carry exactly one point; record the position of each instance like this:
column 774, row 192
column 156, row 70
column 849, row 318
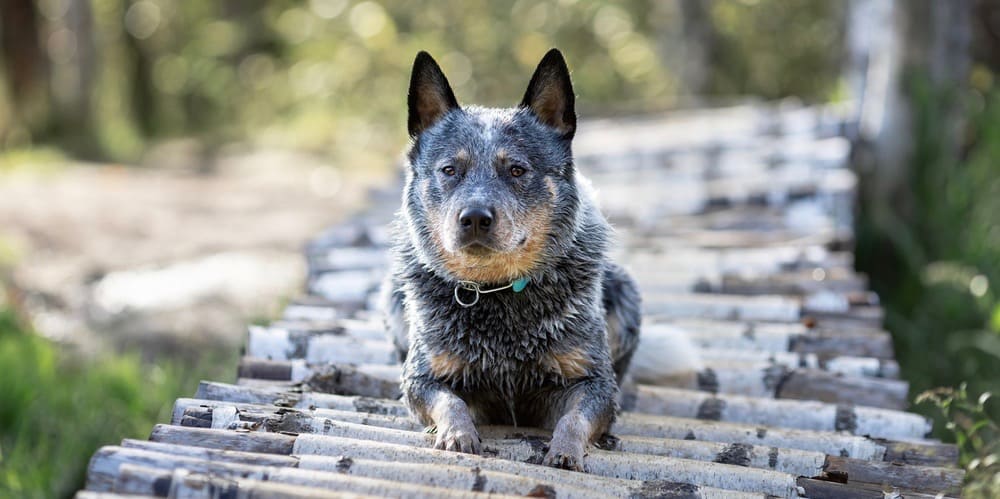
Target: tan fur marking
column 553, row 188
column 445, row 365
column 501, row 154
column 549, row 106
column 462, row 155
column 572, row 364
column 500, row 268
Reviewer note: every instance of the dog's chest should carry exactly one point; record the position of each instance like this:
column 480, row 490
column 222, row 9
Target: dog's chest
column 511, row 343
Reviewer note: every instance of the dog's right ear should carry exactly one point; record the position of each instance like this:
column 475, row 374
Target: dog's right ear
column 430, row 95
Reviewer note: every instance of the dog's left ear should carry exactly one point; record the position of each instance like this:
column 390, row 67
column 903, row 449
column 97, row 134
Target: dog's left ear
column 550, row 94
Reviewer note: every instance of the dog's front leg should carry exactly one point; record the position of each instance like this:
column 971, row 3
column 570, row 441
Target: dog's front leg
column 435, row 404
column 588, row 409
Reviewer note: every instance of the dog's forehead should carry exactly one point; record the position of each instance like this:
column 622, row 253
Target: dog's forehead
column 480, row 130
column 482, row 127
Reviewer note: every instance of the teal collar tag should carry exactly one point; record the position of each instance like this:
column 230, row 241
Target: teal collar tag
column 517, row 285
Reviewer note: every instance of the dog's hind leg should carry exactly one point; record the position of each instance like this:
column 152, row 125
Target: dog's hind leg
column 623, row 315
column 395, row 317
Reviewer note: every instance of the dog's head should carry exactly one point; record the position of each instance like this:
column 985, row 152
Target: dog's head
column 490, row 192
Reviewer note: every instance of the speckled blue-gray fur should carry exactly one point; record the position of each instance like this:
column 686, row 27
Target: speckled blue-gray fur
column 491, row 196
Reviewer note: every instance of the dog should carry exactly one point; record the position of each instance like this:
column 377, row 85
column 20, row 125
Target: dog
column 501, row 300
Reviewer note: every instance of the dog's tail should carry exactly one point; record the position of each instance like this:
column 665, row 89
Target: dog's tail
column 664, row 352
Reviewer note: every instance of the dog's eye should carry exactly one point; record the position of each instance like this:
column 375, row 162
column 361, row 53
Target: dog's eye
column 448, row 170
column 517, row 171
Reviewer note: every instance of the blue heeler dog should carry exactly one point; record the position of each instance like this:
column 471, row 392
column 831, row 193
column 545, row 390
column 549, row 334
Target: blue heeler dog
column 502, row 299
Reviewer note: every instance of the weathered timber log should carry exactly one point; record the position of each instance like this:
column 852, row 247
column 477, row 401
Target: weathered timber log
column 694, row 235
column 312, row 308
column 921, row 452
column 795, row 462
column 831, row 443
column 348, row 289
column 90, row 494
column 806, row 384
column 725, row 307
column 794, row 282
column 792, row 461
column 269, row 384
column 108, row 460
column 221, row 391
column 861, row 366
column 605, row 463
column 628, row 424
column 806, row 415
column 927, row 479
column 791, row 283
column 863, row 342
column 181, row 483
column 323, row 460
column 827, row 343
column 722, row 375
column 777, row 381
column 775, row 337
column 279, row 344
column 822, row 489
column 348, row 258
column 296, row 329
column 366, row 380
column 598, row 462
column 759, row 260
column 842, row 365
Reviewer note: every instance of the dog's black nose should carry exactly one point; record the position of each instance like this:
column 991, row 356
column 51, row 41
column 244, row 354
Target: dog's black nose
column 476, row 220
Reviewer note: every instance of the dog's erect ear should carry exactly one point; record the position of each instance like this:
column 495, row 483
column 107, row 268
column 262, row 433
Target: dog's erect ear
column 430, row 95
column 550, row 94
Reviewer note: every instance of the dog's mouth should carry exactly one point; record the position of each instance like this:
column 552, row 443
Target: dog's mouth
column 478, row 248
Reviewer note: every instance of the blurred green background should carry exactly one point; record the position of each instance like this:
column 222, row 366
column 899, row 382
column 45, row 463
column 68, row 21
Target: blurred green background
column 108, row 77
column 106, row 81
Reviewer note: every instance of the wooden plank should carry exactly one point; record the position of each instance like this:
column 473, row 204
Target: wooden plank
column 930, row 480
column 806, row 415
column 777, row 381
column 598, row 462
column 366, row 450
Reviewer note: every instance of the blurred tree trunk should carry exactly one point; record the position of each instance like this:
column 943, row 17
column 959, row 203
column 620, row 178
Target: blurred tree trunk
column 143, row 98
column 687, row 43
column 926, row 40
column 73, row 83
column 986, row 34
column 26, row 69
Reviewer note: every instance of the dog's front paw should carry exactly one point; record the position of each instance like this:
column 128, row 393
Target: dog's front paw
column 565, row 453
column 458, row 438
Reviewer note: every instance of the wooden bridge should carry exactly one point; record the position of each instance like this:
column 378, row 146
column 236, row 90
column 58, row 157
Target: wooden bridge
column 737, row 223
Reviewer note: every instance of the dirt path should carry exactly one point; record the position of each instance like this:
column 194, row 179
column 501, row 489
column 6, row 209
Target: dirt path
column 167, row 258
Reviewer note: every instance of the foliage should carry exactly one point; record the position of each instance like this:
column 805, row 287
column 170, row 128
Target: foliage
column 936, row 265
column 331, row 75
column 757, row 54
column 977, row 435
column 55, row 411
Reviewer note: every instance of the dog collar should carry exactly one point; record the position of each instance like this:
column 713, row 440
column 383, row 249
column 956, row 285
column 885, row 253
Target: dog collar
column 517, row 285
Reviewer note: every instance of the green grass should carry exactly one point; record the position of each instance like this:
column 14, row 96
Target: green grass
column 56, row 410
